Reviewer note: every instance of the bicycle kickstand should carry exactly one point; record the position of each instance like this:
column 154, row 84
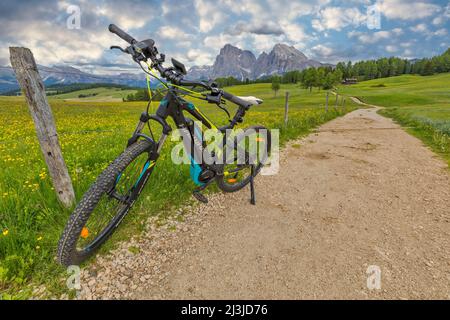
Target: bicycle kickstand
column 252, row 187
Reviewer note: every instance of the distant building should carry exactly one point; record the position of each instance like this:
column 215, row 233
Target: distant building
column 350, row 81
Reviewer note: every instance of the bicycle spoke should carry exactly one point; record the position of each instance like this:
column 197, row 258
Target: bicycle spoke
column 113, row 203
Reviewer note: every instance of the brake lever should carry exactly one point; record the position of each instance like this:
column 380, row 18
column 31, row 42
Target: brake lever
column 224, row 109
column 117, row 47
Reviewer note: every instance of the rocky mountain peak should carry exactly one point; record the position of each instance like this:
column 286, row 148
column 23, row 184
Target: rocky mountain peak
column 242, row 64
column 286, row 52
column 230, row 49
column 282, row 58
column 234, row 62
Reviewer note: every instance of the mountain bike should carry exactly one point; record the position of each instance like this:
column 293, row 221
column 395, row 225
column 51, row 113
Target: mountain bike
column 109, row 199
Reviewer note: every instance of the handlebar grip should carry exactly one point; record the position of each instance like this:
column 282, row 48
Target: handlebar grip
column 122, row 34
column 236, row 100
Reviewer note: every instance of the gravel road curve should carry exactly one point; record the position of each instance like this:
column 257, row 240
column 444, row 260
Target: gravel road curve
column 358, row 192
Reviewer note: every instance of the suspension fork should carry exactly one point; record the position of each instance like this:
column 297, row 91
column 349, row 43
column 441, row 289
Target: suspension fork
column 145, row 117
column 155, row 148
column 154, row 153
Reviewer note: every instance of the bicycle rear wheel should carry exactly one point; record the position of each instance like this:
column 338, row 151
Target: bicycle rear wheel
column 106, row 203
column 250, row 153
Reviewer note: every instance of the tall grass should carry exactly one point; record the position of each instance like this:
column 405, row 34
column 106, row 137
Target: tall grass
column 435, row 133
column 441, row 126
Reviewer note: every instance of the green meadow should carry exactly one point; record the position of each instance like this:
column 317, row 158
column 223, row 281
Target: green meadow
column 96, row 94
column 92, row 134
column 419, row 103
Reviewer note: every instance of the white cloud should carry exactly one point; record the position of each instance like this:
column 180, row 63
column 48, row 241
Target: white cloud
column 210, row 14
column 443, row 17
column 216, row 42
column 199, row 57
column 407, row 10
column 397, row 31
column 50, row 47
column 337, row 18
column 256, row 27
column 370, row 38
column 165, row 8
column 290, row 10
column 267, row 10
column 406, row 44
column 294, row 32
column 322, row 50
column 240, row 7
column 421, row 27
column 391, row 48
column 134, row 17
column 438, row 20
column 408, row 53
column 173, row 33
column 265, row 43
column 441, row 32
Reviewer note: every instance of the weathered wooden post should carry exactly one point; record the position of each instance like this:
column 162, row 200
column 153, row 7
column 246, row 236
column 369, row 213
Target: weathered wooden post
column 286, row 109
column 343, row 105
column 27, row 74
column 326, row 104
column 336, row 102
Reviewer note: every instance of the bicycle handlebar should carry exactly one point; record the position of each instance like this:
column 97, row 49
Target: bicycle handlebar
column 235, row 100
column 226, row 95
column 169, row 73
column 122, row 34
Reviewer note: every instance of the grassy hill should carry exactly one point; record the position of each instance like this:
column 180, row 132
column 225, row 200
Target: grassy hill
column 422, row 96
column 96, row 94
column 420, row 103
column 299, row 97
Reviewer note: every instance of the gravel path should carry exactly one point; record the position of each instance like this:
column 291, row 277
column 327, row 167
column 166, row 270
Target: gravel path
column 358, row 192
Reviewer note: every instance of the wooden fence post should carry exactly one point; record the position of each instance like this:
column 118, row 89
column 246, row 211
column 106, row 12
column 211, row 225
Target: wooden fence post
column 336, row 102
column 286, row 109
column 27, row 74
column 343, row 105
column 326, row 104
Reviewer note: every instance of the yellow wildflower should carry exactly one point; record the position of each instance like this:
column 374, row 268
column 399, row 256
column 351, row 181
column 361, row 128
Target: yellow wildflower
column 39, row 238
column 5, row 232
column 38, row 247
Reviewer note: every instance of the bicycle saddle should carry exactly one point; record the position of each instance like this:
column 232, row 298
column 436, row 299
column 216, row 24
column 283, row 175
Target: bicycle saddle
column 253, row 100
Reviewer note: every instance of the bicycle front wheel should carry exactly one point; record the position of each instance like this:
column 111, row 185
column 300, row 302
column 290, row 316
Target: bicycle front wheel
column 106, row 203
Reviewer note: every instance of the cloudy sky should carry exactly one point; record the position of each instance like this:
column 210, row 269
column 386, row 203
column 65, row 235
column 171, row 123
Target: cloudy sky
column 193, row 31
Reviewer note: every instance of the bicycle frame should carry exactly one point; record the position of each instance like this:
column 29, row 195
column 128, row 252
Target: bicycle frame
column 173, row 106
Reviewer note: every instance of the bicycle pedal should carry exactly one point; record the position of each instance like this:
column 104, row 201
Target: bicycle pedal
column 200, row 197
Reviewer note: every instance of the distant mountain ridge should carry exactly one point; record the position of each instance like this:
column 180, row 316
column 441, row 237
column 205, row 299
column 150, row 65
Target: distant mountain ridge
column 241, row 64
column 70, row 75
column 231, row 61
